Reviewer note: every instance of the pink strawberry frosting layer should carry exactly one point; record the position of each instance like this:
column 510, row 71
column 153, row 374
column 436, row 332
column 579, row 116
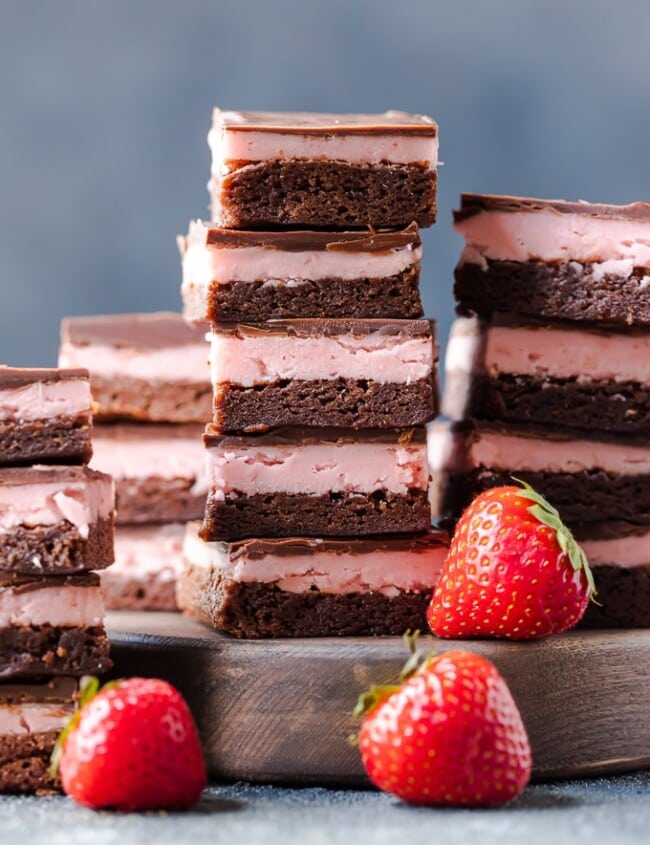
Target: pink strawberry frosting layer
column 232, row 144
column 317, row 469
column 548, row 351
column 551, row 236
column 44, row 400
column 161, row 457
column 32, row 717
column 626, row 552
column 144, row 550
column 186, row 363
column 330, row 572
column 265, row 359
column 67, row 606
column 512, row 453
column 48, row 503
column 203, row 264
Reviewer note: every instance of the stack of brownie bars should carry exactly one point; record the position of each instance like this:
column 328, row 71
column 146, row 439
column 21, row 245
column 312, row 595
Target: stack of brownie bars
column 56, row 525
column 550, row 369
column 324, row 374
column 152, row 393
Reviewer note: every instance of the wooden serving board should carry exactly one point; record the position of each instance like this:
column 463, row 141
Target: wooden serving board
column 280, row 710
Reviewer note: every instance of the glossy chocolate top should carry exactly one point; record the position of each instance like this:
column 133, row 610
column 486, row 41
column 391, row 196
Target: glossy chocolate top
column 258, row 548
column 56, row 690
column 287, row 240
column 321, row 123
column 158, row 330
column 39, row 474
column 13, row 377
column 325, row 327
column 300, row 436
column 471, row 204
column 28, row 583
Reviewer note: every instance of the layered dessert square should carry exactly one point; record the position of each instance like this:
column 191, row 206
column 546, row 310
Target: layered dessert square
column 246, row 275
column 51, row 625
column 55, row 520
column 147, row 561
column 158, row 470
column 32, row 715
column 299, row 587
column 550, row 258
column 343, row 373
column 549, row 373
column 588, row 477
column 322, row 170
column 145, row 367
column 316, row 482
column 45, row 416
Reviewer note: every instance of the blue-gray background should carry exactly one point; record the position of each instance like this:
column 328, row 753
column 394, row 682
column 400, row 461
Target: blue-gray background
column 104, row 108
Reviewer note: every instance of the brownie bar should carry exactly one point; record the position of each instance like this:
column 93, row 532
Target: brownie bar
column 263, row 610
column 45, row 416
column 25, row 763
column 623, row 596
column 329, row 515
column 56, row 549
column 36, row 650
column 143, row 367
column 333, row 402
column 564, row 290
column 605, row 404
column 325, row 194
column 396, row 296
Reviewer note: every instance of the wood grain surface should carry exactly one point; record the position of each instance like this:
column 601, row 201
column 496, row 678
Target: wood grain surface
column 279, row 711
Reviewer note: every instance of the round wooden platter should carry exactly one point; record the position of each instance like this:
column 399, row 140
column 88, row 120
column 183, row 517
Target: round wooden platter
column 281, row 710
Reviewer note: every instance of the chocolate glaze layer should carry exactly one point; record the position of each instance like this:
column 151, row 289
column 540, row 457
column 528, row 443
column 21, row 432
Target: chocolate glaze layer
column 11, row 377
column 27, row 476
column 321, row 123
column 303, row 240
column 158, row 330
column 291, row 546
column 28, row 583
column 54, row 689
column 472, row 204
column 609, row 531
column 323, row 327
column 302, row 435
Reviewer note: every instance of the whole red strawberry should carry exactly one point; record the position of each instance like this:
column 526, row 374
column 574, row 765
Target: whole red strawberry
column 132, row 746
column 450, row 735
column 513, row 570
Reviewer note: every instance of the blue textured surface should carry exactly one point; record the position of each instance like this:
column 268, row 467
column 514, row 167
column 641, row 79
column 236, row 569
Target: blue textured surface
column 604, row 810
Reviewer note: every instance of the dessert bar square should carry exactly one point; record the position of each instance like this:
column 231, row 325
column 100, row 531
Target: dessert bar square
column 343, row 373
column 145, row 367
column 45, row 416
column 316, row 482
column 322, row 170
column 300, row 587
column 244, row 275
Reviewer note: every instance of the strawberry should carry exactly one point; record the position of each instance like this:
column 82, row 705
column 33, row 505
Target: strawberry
column 450, row 735
column 513, row 570
column 131, row 746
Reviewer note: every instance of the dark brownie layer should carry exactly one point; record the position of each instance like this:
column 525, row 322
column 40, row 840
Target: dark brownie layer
column 567, row 290
column 325, row 194
column 152, row 400
column 329, row 515
column 395, row 296
column 256, row 610
column 580, row 497
column 126, row 592
column 25, row 763
column 56, row 549
column 624, row 596
column 347, row 403
column 605, row 405
column 28, row 651
column 58, row 440
column 157, row 500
